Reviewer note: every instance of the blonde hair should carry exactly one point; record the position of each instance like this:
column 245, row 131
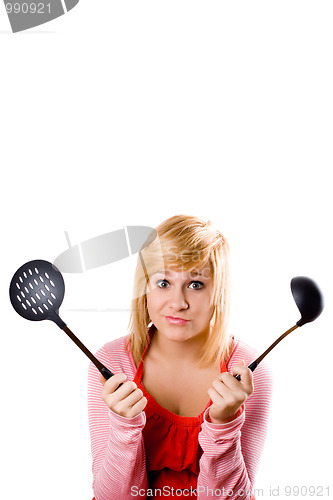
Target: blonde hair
column 184, row 242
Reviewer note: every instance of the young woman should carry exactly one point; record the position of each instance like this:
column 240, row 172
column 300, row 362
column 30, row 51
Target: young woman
column 174, row 422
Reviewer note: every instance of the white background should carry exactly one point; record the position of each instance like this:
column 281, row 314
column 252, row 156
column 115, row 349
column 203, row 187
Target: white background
column 128, row 112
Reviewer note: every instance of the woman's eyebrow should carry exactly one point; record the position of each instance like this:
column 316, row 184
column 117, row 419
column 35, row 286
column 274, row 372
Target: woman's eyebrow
column 190, row 274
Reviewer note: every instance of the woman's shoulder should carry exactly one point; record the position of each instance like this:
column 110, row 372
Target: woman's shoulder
column 117, row 356
column 240, row 352
column 117, row 344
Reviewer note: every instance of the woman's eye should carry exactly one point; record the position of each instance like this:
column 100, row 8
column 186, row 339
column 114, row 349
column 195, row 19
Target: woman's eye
column 196, row 285
column 162, row 283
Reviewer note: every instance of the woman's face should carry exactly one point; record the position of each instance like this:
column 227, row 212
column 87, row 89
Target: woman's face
column 180, row 303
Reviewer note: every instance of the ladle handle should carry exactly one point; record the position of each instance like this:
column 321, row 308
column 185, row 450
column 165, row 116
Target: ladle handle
column 256, row 362
column 104, row 371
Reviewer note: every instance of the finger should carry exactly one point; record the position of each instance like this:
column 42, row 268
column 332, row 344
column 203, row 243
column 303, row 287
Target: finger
column 138, row 407
column 229, row 395
column 229, row 381
column 134, row 397
column 216, row 397
column 113, row 382
column 123, row 392
column 246, row 376
column 221, row 388
column 242, row 370
column 124, row 406
column 237, row 376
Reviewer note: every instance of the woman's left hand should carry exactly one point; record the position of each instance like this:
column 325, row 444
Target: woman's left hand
column 228, row 394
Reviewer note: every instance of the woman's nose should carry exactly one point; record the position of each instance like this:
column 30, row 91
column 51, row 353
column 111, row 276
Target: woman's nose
column 178, row 299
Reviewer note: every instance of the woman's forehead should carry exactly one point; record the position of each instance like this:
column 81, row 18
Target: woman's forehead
column 178, row 273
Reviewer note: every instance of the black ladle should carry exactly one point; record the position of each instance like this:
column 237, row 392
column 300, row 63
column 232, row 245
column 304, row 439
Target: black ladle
column 36, row 292
column 310, row 303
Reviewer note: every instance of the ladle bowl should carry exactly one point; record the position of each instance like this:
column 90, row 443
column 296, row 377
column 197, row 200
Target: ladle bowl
column 36, row 292
column 310, row 303
column 308, row 298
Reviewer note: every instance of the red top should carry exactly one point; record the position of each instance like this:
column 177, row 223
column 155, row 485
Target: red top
column 171, row 441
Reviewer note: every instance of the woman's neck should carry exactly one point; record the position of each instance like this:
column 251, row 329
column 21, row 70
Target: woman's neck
column 188, row 352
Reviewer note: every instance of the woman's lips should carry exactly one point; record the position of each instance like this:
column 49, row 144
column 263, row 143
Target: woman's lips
column 176, row 321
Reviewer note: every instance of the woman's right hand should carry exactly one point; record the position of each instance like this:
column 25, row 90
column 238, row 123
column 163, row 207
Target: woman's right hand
column 127, row 401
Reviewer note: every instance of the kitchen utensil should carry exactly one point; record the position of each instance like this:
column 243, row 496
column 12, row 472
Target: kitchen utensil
column 310, row 303
column 36, row 292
